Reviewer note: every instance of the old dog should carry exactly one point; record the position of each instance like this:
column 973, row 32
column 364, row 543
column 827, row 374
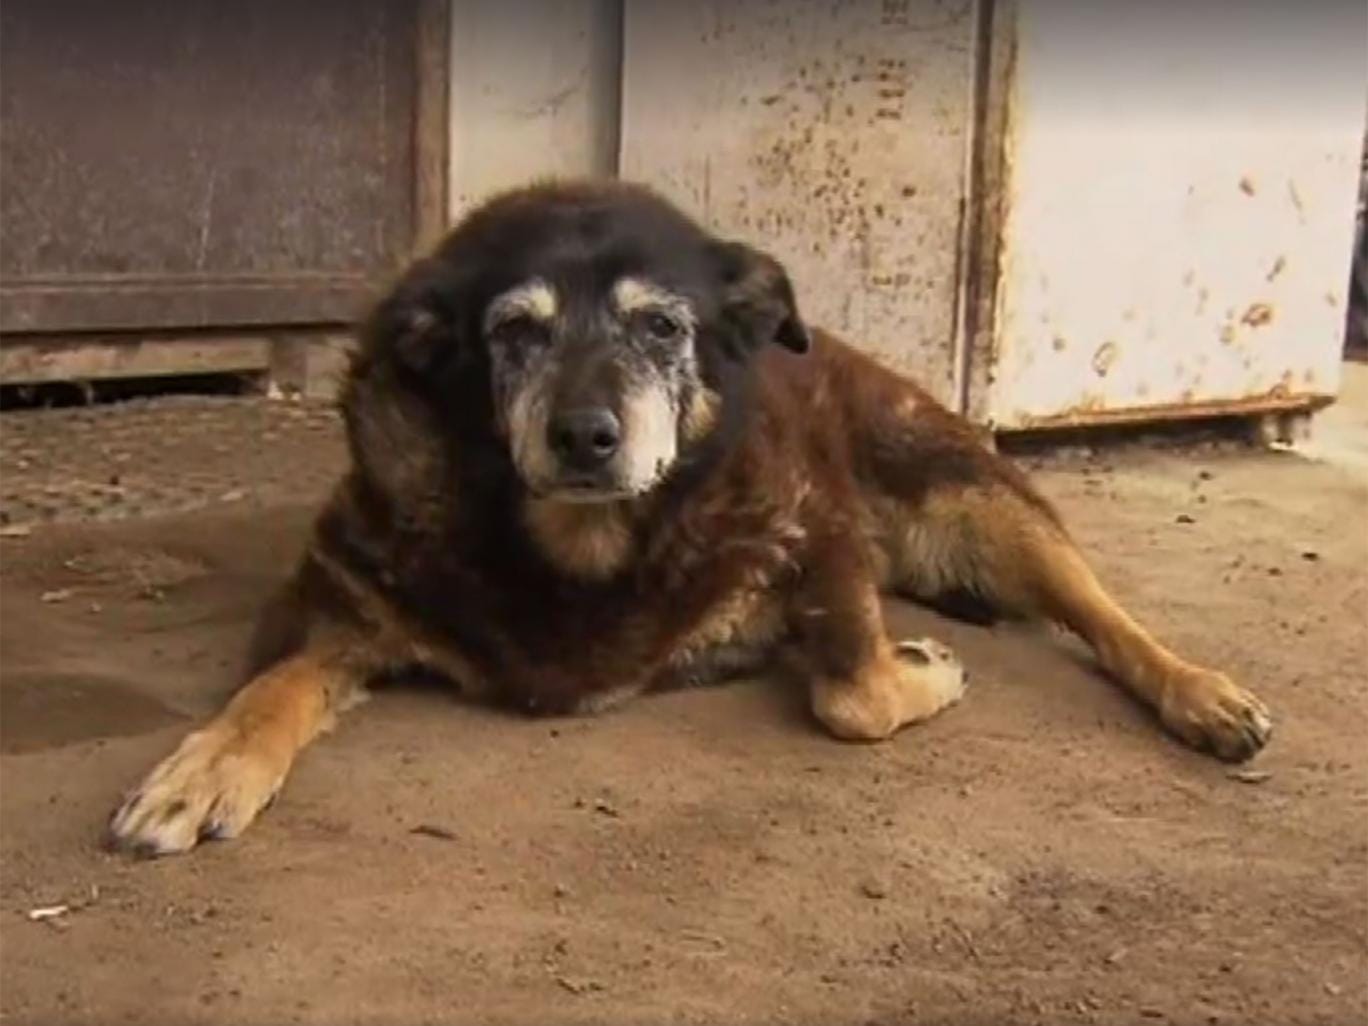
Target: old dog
column 596, row 451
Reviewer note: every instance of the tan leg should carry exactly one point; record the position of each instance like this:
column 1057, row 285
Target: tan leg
column 864, row 687
column 223, row 774
column 1203, row 707
column 1011, row 553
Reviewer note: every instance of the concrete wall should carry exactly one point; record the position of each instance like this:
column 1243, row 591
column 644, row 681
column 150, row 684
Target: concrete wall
column 534, row 92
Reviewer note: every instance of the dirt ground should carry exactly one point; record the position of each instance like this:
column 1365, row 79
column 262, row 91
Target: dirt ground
column 1039, row 854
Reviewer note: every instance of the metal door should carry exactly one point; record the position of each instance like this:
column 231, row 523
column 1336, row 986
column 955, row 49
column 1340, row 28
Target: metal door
column 1178, row 211
column 201, row 163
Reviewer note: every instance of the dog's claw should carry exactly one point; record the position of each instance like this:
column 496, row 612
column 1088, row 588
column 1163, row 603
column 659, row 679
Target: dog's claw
column 1211, row 712
column 208, row 789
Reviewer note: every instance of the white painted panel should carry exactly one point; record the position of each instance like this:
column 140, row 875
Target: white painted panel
column 534, row 93
column 1181, row 188
column 833, row 134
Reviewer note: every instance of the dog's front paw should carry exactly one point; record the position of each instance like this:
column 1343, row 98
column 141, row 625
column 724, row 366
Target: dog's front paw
column 211, row 787
column 910, row 683
column 1211, row 712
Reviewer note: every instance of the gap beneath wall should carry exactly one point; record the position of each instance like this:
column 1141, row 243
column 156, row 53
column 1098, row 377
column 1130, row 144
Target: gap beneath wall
column 45, row 371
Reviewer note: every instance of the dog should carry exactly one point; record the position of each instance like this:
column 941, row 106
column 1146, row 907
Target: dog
column 596, row 451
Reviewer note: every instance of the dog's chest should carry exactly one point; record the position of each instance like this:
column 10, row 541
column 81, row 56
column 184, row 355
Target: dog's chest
column 715, row 618
column 706, row 601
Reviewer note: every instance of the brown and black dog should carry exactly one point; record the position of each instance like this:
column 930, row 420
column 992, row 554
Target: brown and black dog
column 595, row 451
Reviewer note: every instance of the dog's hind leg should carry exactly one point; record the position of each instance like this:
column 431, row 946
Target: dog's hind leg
column 951, row 519
column 223, row 774
column 1001, row 542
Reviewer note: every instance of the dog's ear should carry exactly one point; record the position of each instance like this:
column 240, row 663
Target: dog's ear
column 418, row 322
column 758, row 296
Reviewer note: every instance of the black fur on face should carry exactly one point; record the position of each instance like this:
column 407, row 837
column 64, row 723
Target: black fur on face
column 588, row 336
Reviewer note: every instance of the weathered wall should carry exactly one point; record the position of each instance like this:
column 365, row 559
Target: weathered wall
column 1167, row 231
column 1179, row 208
column 835, row 134
column 534, row 92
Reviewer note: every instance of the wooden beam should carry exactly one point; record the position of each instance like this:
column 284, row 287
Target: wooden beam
column 34, row 361
column 431, row 124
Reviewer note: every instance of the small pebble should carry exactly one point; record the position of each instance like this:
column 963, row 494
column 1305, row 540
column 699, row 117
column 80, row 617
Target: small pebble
column 876, row 890
column 600, row 805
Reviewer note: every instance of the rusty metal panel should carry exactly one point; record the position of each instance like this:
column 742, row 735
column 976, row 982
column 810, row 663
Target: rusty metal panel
column 834, row 134
column 201, row 163
column 534, row 93
column 1177, row 243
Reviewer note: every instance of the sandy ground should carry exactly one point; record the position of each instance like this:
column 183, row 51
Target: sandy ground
column 1040, row 854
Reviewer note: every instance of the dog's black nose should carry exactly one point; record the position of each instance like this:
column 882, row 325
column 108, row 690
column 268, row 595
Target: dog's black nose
column 585, row 439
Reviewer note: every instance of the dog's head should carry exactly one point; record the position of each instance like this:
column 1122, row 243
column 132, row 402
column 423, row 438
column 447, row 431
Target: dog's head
column 597, row 325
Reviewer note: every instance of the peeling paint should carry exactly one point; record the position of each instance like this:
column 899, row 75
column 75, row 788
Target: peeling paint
column 1103, row 359
column 1257, row 315
column 1294, row 194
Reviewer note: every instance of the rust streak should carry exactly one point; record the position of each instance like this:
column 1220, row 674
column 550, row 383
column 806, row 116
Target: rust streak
column 1258, row 315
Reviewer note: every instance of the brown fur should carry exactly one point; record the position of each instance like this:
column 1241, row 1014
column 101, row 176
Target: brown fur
column 842, row 480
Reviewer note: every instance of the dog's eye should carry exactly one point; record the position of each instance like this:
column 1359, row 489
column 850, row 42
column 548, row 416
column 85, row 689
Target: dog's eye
column 661, row 325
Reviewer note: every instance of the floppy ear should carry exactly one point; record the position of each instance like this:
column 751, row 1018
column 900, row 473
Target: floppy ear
column 758, row 295
column 419, row 320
